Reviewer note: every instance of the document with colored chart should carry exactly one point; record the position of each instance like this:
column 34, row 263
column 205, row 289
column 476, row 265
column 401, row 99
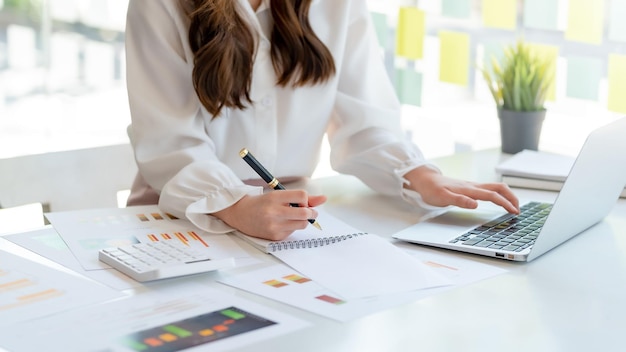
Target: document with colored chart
column 30, row 290
column 345, row 260
column 284, row 284
column 87, row 231
column 180, row 315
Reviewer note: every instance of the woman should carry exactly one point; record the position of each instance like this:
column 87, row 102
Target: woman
column 207, row 78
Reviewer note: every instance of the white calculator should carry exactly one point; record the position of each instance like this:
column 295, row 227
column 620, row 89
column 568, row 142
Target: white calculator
column 160, row 260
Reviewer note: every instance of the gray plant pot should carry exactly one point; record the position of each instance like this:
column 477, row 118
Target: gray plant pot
column 520, row 130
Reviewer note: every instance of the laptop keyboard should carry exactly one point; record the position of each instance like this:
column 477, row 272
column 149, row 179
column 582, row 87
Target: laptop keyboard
column 509, row 232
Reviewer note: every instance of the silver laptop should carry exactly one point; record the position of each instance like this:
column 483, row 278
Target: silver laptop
column 589, row 193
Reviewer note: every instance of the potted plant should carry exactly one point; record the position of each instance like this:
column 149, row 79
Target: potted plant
column 519, row 87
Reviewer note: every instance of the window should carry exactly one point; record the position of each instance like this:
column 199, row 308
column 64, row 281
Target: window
column 62, row 80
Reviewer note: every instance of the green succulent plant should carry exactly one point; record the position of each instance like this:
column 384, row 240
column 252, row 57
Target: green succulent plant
column 522, row 81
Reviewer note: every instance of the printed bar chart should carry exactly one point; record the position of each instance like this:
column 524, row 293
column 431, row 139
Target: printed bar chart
column 195, row 331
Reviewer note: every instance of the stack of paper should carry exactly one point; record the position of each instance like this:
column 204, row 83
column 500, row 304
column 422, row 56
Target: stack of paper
column 537, row 170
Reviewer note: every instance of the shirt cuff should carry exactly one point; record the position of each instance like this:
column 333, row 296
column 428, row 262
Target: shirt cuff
column 198, row 211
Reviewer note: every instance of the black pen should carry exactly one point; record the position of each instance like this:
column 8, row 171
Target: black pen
column 267, row 177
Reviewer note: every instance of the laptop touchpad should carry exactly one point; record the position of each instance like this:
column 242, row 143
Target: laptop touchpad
column 448, row 225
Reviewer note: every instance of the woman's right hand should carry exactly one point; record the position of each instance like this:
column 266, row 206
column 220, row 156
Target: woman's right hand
column 270, row 215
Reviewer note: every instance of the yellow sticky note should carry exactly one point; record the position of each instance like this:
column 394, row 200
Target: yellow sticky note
column 454, row 57
column 549, row 52
column 617, row 83
column 585, row 21
column 500, row 14
column 410, row 33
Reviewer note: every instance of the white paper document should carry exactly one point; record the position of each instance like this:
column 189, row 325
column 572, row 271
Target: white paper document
column 47, row 243
column 87, row 231
column 30, row 290
column 181, row 315
column 460, row 271
column 363, row 266
column 283, row 284
column 350, row 262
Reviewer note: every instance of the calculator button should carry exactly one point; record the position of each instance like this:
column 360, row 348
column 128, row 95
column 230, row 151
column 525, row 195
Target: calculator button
column 159, row 260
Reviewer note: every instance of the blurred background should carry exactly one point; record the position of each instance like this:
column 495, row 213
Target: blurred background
column 62, row 78
column 62, row 83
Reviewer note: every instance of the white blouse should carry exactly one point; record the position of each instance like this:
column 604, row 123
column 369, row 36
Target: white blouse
column 192, row 159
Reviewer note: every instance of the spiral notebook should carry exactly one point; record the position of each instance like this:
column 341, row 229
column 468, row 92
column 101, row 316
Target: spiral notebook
column 349, row 262
column 333, row 231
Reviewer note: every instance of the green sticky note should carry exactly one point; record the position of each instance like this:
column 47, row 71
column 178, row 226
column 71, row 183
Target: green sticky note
column 454, row 57
column 410, row 33
column 381, row 27
column 583, row 77
column 409, row 86
column 617, row 83
column 541, row 14
column 548, row 52
column 585, row 21
column 456, row 8
column 500, row 14
column 617, row 21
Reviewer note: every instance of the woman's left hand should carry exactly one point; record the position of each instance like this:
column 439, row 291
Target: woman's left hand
column 439, row 190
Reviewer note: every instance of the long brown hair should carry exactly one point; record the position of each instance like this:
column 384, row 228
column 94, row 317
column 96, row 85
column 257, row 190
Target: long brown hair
column 224, row 45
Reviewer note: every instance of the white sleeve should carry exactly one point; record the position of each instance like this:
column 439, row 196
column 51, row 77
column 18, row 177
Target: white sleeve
column 365, row 133
column 173, row 151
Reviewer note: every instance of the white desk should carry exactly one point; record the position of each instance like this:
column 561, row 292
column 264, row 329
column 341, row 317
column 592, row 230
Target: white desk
column 562, row 301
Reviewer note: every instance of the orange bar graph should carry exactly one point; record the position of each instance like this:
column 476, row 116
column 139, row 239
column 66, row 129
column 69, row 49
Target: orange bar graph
column 329, row 299
column 197, row 238
column 34, row 297
column 15, row 284
column 275, row 283
column 297, row 278
column 182, row 238
column 438, row 265
column 41, row 295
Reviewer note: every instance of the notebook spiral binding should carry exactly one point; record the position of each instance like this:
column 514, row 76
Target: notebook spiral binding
column 311, row 243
